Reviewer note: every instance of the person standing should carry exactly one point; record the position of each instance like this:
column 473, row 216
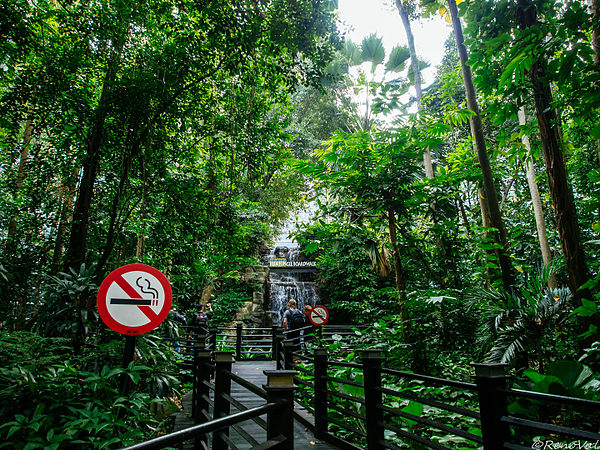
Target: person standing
column 306, row 311
column 176, row 316
column 201, row 318
column 293, row 320
column 309, row 328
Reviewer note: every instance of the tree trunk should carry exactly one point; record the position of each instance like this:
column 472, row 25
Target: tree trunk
column 75, row 255
column 489, row 188
column 562, row 195
column 463, row 213
column 66, row 216
column 76, row 250
column 414, row 62
column 139, row 250
column 399, row 273
column 112, row 227
column 595, row 7
column 595, row 10
column 24, row 156
column 537, row 204
column 207, row 292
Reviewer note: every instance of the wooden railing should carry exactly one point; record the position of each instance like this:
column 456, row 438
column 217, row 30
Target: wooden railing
column 365, row 405
column 358, row 405
column 217, row 414
column 254, row 343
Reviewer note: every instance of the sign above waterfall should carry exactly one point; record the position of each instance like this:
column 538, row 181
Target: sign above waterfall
column 284, row 257
column 276, row 262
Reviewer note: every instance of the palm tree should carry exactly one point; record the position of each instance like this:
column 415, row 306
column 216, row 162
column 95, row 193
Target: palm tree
column 516, row 324
column 371, row 50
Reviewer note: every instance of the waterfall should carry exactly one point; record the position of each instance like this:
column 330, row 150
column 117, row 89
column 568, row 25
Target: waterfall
column 291, row 277
column 304, row 292
column 292, row 273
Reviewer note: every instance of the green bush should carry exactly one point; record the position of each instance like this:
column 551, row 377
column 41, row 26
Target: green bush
column 63, row 405
column 227, row 303
column 51, row 396
column 32, row 351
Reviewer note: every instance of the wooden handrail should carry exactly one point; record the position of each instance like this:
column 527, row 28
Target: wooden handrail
column 217, row 424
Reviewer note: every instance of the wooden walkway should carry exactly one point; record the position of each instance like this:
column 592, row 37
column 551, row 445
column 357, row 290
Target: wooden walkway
column 253, row 372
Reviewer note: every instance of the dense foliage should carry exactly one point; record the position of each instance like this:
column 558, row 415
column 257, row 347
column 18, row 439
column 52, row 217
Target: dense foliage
column 154, row 132
column 181, row 135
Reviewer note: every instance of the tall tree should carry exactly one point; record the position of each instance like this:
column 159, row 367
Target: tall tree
column 489, row 188
column 562, row 195
column 404, row 8
column 536, row 201
column 22, row 170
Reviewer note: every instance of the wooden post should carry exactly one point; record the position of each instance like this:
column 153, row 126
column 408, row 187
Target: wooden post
column 274, row 348
column 201, row 373
column 320, row 398
column 200, row 343
column 201, row 392
column 223, row 361
column 371, row 361
column 212, row 339
column 288, row 357
column 238, row 342
column 490, row 379
column 279, row 357
column 280, row 386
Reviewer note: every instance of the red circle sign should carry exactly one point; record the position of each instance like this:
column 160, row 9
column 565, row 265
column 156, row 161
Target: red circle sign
column 318, row 315
column 134, row 299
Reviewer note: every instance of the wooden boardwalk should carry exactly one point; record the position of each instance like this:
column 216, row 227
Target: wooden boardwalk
column 253, row 372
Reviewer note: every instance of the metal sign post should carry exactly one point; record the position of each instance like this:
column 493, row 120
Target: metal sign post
column 133, row 300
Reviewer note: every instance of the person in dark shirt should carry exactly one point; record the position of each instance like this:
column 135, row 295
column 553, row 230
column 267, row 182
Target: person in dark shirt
column 176, row 316
column 293, row 319
column 202, row 317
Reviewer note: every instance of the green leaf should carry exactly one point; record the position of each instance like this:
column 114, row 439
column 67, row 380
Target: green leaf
column 587, row 308
column 534, row 376
column 32, row 445
column 567, row 65
column 514, row 71
column 372, row 50
column 352, row 52
column 12, row 431
column 398, row 57
column 571, row 373
column 414, row 408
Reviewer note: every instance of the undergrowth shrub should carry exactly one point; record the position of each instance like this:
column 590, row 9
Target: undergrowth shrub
column 228, row 302
column 62, row 405
column 51, row 396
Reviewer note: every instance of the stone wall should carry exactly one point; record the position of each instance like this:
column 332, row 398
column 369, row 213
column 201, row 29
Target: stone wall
column 253, row 314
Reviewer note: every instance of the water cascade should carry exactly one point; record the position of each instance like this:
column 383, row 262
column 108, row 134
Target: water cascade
column 292, row 273
column 291, row 277
column 287, row 285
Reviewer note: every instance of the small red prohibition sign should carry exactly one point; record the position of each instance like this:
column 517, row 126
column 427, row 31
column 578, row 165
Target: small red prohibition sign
column 134, row 299
column 318, row 315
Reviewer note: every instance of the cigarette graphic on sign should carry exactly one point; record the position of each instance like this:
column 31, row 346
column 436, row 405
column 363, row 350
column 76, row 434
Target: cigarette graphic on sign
column 130, row 301
column 146, row 288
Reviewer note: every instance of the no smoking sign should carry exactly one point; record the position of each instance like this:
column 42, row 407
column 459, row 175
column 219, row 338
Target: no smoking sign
column 134, row 299
column 318, row 315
